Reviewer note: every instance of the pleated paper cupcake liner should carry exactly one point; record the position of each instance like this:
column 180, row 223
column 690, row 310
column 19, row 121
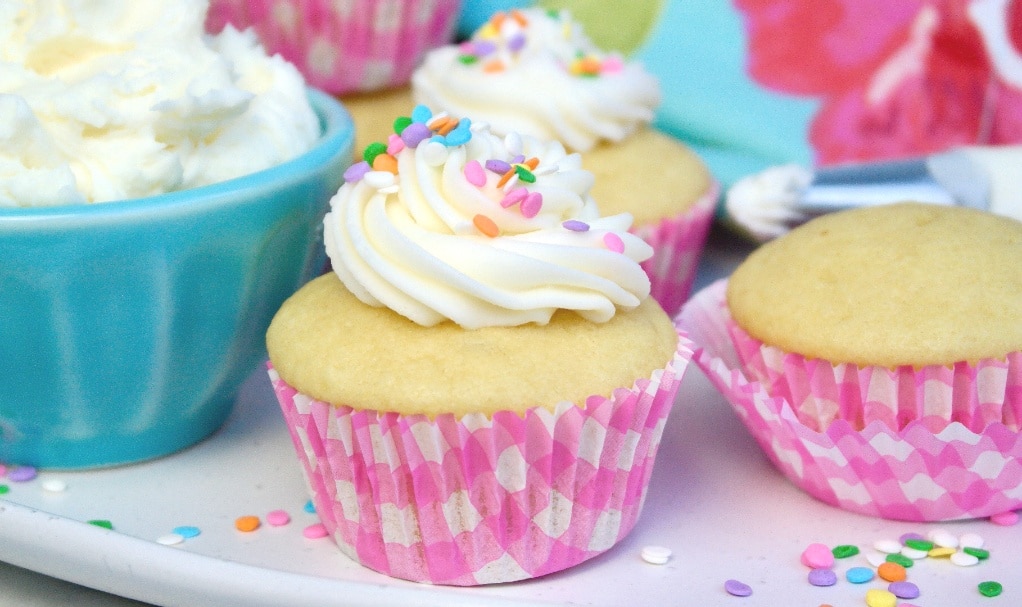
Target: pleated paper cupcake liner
column 677, row 245
column 477, row 499
column 345, row 46
column 905, row 472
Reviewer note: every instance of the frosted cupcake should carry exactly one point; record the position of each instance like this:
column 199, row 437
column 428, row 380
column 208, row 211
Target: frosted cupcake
column 535, row 72
column 345, row 47
column 478, row 390
column 876, row 355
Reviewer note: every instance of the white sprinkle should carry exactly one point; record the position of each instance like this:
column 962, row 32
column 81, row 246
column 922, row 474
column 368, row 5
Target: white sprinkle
column 379, row 179
column 513, row 143
column 888, row 546
column 511, row 183
column 964, row 559
column 943, row 538
column 171, row 539
column 656, row 555
column 54, row 485
column 914, row 553
column 391, row 189
column 970, row 540
column 876, row 558
column 433, row 153
column 545, row 169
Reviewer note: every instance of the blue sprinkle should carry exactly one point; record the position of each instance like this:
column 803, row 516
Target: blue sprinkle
column 310, row 507
column 186, row 531
column 461, row 133
column 859, row 575
column 421, row 113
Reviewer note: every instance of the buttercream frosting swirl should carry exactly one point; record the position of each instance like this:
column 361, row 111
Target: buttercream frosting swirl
column 536, row 73
column 447, row 221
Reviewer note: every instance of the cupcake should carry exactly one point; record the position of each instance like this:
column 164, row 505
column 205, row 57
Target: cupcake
column 344, row 47
column 478, row 389
column 535, row 72
column 876, row 356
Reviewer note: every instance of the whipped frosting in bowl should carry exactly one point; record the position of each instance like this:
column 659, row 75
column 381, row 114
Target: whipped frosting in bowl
column 131, row 99
column 536, row 73
column 447, row 221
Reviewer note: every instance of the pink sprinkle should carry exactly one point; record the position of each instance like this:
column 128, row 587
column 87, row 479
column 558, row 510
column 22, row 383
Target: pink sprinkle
column 475, row 174
column 818, row 556
column 1005, row 519
column 278, row 518
column 531, row 205
column 614, row 242
column 315, row 531
column 514, row 197
column 3, row 470
column 395, row 144
column 612, row 64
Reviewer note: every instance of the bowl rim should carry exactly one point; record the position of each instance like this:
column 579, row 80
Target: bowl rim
column 337, row 134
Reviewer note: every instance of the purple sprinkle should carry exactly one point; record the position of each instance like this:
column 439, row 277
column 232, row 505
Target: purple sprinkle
column 518, row 159
column 736, row 588
column 20, row 474
column 415, row 133
column 516, row 43
column 356, row 171
column 575, row 225
column 910, row 536
column 904, row 590
column 822, row 577
column 484, row 47
column 497, row 166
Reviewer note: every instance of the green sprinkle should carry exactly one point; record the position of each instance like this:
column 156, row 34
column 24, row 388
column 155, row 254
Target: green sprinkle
column 977, row 552
column 467, row 59
column 844, row 551
column 373, row 150
column 401, row 123
column 919, row 544
column 900, row 559
column 4, row 489
column 525, row 174
column 990, row 588
column 102, row 523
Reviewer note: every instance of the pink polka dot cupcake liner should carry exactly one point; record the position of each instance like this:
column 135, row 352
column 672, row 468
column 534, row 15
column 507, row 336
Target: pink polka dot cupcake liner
column 918, row 446
column 344, row 46
column 677, row 245
column 480, row 500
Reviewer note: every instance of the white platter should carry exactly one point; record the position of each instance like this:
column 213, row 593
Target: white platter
column 714, row 500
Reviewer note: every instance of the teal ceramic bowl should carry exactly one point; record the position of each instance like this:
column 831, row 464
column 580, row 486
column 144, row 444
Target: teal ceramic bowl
column 127, row 328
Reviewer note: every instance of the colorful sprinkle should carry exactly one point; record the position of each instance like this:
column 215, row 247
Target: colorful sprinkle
column 278, row 518
column 187, row 531
column 99, row 522
column 971, row 540
column 395, row 144
column 310, row 507
column 513, row 197
column 373, row 150
column 356, row 171
column 880, row 598
column 964, row 559
column 1006, row 519
column 401, row 123
column 943, row 538
column 415, row 133
column 21, row 474
column 53, row 485
column 919, row 544
column 844, row 551
column 532, row 205
column 486, row 225
column 859, row 575
column 656, row 555
column 475, row 174
column 937, row 553
column 4, row 489
column 575, row 225
column 736, row 588
column 385, row 162
column 817, row 556
column 905, row 537
column 990, row 588
column 524, row 173
column 892, row 572
column 979, row 553
column 614, row 242
column 903, row 590
column 246, row 523
column 170, row 539
column 822, row 577
column 899, row 559
column 315, row 531
column 497, row 166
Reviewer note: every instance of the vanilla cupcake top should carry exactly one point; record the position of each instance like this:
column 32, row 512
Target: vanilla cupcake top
column 904, row 284
column 536, row 73
column 446, row 221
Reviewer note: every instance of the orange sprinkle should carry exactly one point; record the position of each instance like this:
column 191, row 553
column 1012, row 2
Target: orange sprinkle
column 532, row 163
column 385, row 162
column 246, row 523
column 505, row 178
column 449, row 125
column 892, row 572
column 519, row 18
column 587, row 65
column 498, row 19
column 485, row 225
column 493, row 66
column 438, row 122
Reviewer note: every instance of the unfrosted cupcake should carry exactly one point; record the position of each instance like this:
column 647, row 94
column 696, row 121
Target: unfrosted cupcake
column 876, row 355
column 349, row 46
column 536, row 72
column 478, row 390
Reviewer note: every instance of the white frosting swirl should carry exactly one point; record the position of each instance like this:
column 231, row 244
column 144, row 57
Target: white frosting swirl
column 411, row 241
column 538, row 74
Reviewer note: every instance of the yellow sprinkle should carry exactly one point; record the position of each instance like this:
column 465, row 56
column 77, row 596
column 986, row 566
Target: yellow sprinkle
column 486, row 225
column 878, row 597
column 246, row 523
column 939, row 552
